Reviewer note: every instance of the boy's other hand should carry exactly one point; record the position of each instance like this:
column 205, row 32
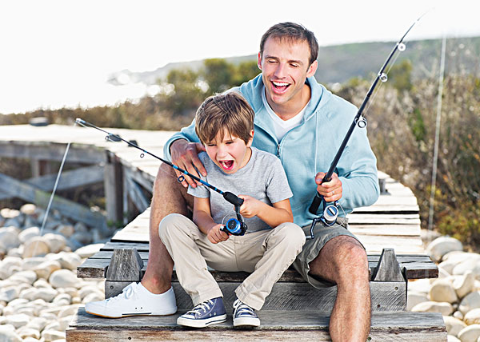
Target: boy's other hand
column 331, row 191
column 185, row 156
column 215, row 235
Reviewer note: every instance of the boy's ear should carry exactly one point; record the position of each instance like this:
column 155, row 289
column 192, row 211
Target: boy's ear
column 251, row 138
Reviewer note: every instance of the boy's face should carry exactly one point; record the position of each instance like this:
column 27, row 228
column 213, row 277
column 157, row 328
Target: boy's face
column 285, row 67
column 230, row 153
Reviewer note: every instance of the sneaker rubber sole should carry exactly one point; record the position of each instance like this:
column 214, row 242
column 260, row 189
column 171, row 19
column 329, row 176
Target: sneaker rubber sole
column 129, row 314
column 201, row 323
column 246, row 322
column 102, row 312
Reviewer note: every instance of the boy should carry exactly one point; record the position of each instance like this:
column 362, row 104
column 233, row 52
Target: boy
column 224, row 124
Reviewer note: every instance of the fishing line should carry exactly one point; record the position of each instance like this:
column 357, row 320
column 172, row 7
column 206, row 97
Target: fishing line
column 437, row 133
column 52, row 195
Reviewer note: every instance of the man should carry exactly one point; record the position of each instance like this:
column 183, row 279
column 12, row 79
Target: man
column 302, row 123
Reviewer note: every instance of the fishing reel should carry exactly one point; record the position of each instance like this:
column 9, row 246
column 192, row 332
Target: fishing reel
column 328, row 217
column 235, row 226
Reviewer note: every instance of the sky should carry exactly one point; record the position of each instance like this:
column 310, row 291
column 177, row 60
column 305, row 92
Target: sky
column 59, row 53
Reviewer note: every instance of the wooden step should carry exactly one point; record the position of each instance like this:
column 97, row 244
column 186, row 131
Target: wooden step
column 416, row 266
column 275, row 326
column 385, row 296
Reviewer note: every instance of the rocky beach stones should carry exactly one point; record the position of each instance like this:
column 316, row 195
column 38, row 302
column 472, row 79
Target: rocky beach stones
column 456, row 292
column 39, row 290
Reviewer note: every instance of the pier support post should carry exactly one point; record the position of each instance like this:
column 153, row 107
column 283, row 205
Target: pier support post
column 114, row 189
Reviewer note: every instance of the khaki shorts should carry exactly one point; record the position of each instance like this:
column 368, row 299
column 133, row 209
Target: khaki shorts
column 312, row 248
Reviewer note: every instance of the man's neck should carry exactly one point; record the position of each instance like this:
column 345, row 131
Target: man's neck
column 293, row 107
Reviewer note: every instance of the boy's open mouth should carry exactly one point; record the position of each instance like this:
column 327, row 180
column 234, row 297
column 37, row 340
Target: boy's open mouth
column 227, row 164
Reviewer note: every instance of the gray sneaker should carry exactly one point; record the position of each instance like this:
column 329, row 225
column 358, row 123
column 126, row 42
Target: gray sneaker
column 209, row 312
column 244, row 315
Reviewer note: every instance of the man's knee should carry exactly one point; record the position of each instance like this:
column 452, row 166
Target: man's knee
column 169, row 193
column 342, row 258
column 165, row 175
column 352, row 259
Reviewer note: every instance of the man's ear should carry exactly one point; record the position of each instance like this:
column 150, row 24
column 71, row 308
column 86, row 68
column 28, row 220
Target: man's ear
column 312, row 69
column 259, row 61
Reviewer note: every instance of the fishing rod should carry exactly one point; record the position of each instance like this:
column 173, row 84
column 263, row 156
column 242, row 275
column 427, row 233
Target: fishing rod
column 330, row 213
column 233, row 226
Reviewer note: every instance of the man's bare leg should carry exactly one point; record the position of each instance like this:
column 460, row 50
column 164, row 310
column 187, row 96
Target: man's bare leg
column 343, row 261
column 169, row 196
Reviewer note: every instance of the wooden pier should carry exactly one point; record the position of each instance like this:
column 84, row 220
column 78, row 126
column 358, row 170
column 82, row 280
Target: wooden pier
column 391, row 226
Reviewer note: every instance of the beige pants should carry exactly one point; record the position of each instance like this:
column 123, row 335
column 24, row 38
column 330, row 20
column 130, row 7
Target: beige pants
column 265, row 254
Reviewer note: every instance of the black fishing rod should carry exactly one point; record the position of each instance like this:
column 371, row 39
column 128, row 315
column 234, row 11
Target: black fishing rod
column 330, row 213
column 233, row 226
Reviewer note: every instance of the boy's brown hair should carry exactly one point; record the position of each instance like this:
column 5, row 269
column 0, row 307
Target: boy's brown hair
column 228, row 111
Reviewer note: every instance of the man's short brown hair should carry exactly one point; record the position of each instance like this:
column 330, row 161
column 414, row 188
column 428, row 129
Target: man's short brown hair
column 293, row 32
column 228, row 111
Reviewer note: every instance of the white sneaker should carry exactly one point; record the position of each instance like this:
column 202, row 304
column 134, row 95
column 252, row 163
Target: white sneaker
column 135, row 300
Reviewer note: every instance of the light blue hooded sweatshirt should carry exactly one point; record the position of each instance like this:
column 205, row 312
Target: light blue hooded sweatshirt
column 311, row 147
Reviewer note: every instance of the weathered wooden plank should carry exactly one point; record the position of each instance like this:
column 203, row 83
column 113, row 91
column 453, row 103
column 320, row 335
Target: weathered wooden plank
column 415, row 266
column 136, row 195
column 41, row 198
column 385, row 219
column 275, row 326
column 386, row 297
column 409, row 243
column 40, row 167
column 106, row 252
column 139, row 246
column 388, row 209
column 386, row 230
column 51, row 151
column 140, row 178
column 69, row 180
column 138, row 231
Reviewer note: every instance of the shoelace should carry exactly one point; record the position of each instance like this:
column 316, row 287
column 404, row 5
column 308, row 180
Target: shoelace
column 242, row 308
column 202, row 306
column 126, row 293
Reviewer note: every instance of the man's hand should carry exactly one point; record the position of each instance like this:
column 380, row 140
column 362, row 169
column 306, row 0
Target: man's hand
column 215, row 235
column 185, row 156
column 331, row 191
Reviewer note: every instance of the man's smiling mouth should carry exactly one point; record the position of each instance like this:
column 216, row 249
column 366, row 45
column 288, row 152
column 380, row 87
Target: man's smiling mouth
column 280, row 87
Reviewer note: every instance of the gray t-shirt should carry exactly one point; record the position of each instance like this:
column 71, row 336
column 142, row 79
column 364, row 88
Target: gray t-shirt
column 263, row 178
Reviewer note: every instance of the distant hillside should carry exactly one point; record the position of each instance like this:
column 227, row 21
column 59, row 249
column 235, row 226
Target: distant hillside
column 339, row 63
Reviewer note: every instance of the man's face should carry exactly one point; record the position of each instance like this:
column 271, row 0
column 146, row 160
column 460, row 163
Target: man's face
column 285, row 67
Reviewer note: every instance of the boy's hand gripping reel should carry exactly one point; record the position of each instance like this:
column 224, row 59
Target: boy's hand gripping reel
column 234, row 226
